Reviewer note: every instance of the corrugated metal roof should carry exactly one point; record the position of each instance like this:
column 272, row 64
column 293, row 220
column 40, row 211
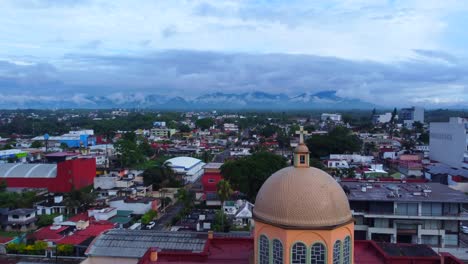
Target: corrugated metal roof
column 19, row 170
column 134, row 243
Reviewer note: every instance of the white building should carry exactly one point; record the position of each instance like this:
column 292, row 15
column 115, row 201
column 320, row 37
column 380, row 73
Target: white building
column 138, row 206
column 382, row 119
column 189, row 168
column 448, row 142
column 340, row 164
column 411, row 115
column 103, row 214
column 331, row 117
column 352, row 158
column 229, row 127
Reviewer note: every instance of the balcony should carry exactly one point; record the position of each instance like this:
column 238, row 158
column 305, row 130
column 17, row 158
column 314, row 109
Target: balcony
column 459, row 216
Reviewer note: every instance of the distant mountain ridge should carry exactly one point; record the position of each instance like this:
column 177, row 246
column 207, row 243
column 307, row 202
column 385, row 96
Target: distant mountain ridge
column 218, row 100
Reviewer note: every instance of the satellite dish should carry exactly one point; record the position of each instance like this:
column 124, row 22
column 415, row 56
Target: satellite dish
column 46, row 136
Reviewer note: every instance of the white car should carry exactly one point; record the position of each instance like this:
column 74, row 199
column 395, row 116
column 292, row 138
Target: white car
column 150, row 225
column 464, row 229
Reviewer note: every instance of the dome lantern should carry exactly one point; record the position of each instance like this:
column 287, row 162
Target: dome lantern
column 301, row 152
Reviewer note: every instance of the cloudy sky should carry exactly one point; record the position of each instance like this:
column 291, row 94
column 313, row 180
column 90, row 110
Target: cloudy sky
column 389, row 52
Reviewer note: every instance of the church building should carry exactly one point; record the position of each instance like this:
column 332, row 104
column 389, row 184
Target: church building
column 302, row 216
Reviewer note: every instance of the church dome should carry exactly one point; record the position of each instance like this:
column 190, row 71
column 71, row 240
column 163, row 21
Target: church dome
column 302, row 198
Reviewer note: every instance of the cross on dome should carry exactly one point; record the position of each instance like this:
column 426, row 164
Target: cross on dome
column 301, row 132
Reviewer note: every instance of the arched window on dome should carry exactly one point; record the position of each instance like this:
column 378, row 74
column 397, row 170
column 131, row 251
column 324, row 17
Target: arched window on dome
column 299, row 253
column 277, row 252
column 337, row 252
column 263, row 250
column 347, row 250
column 318, row 254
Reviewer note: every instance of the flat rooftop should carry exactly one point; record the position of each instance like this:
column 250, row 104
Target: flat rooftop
column 411, row 192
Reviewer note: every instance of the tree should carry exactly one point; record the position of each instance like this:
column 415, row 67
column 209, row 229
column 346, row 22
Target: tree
column 220, row 223
column 268, row 131
column 36, row 144
column 424, row 138
column 184, row 128
column 79, row 199
column 249, row 173
column 64, row 249
column 3, row 185
column 224, row 192
column 337, row 141
column 148, row 217
column 394, row 114
column 161, row 176
column 204, row 123
column 129, row 151
column 45, row 220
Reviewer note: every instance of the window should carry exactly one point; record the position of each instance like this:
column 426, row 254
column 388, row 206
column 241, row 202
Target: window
column 302, row 159
column 347, row 250
column 277, row 252
column 430, row 240
column 407, row 209
column 451, row 240
column 298, row 253
column 451, row 226
column 337, row 252
column 381, row 222
column 431, row 209
column 318, row 254
column 432, row 224
column 264, row 250
column 451, row 209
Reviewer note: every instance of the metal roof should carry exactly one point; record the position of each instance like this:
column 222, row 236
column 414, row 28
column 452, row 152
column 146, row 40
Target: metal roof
column 403, row 192
column 183, row 162
column 19, row 170
column 134, row 243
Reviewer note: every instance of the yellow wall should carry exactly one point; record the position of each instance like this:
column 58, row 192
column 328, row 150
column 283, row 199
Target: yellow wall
column 308, row 237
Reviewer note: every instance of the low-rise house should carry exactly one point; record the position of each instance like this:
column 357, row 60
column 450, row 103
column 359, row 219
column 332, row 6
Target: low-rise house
column 102, row 214
column 22, row 219
column 337, row 164
column 52, row 205
column 138, row 206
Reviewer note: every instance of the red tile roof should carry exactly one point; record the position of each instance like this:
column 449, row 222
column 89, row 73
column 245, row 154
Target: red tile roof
column 4, row 240
column 93, row 230
column 46, row 233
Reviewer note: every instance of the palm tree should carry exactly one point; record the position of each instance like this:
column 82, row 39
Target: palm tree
column 224, row 193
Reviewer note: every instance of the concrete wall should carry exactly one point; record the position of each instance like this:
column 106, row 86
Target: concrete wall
column 448, row 142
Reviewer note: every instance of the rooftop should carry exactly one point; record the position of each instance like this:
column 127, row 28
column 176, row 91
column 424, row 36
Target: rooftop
column 19, row 170
column 135, row 243
column 183, row 162
column 384, row 191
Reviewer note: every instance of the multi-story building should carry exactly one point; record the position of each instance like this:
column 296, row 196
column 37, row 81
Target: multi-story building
column 331, row 117
column 418, row 213
column 448, row 142
column 410, row 115
column 229, row 127
column 163, row 132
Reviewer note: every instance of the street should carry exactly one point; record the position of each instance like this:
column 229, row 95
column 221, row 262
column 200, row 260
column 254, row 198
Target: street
column 165, row 220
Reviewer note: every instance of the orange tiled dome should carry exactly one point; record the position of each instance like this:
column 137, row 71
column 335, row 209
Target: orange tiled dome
column 302, row 198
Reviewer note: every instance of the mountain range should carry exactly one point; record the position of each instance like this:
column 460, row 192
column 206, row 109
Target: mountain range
column 218, row 100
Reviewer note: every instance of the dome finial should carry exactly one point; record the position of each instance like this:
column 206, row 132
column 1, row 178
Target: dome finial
column 301, row 153
column 301, row 132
